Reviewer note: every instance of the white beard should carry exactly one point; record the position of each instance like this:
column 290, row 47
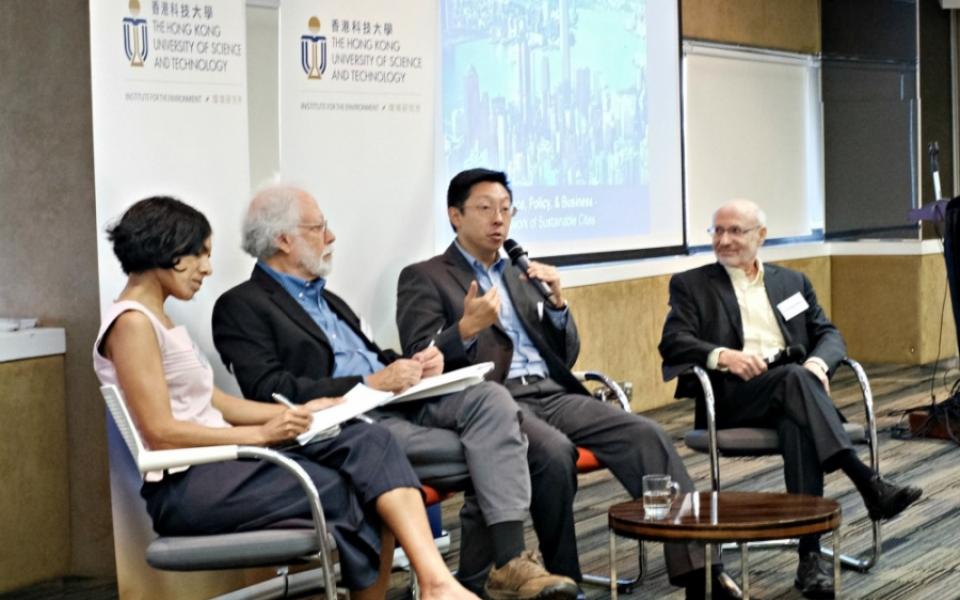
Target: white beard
column 318, row 265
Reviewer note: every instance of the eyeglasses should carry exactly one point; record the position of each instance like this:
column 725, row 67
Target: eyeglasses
column 487, row 210
column 734, row 232
column 318, row 228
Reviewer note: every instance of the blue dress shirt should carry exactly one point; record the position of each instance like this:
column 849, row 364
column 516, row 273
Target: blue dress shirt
column 526, row 358
column 351, row 356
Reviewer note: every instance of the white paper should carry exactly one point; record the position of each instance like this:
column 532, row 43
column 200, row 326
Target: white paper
column 446, row 383
column 361, row 398
column 356, row 402
column 793, row 306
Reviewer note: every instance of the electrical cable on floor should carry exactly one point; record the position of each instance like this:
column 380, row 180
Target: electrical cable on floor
column 945, row 413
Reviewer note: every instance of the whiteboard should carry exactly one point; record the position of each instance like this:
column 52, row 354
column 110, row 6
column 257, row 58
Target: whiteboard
column 753, row 129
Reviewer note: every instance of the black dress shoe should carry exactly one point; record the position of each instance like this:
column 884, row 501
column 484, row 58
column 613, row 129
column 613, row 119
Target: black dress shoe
column 814, row 577
column 723, row 588
column 885, row 500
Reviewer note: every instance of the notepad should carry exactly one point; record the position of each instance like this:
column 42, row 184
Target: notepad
column 361, row 399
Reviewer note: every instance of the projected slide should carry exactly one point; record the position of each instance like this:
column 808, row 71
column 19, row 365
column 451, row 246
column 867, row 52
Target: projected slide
column 558, row 94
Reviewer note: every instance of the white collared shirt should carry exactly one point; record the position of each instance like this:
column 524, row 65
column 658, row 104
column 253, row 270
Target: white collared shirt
column 761, row 332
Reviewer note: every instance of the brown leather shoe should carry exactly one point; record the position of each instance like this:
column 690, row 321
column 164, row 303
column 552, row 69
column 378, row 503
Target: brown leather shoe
column 524, row 578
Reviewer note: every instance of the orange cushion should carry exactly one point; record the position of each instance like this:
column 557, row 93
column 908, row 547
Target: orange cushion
column 432, row 496
column 586, row 461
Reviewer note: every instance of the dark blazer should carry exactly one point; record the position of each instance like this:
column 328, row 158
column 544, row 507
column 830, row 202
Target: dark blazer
column 272, row 345
column 704, row 315
column 430, row 304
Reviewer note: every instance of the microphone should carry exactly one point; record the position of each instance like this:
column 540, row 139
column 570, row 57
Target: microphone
column 519, row 258
column 933, row 148
column 790, row 354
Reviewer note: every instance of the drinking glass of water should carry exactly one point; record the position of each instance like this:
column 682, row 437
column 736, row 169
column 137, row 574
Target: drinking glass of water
column 658, row 493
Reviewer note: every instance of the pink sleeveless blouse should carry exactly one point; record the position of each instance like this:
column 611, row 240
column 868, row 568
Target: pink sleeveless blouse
column 187, row 371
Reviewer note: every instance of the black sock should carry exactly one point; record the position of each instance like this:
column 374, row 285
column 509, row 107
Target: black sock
column 859, row 473
column 808, row 544
column 507, row 541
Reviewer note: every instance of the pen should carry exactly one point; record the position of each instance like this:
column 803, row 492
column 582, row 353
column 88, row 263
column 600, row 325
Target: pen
column 433, row 340
column 282, row 400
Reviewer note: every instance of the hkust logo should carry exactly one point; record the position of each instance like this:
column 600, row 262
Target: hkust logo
column 313, row 51
column 135, row 36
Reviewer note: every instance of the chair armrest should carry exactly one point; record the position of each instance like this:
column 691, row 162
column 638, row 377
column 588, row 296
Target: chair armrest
column 153, row 460
column 868, row 407
column 709, row 403
column 287, row 463
column 313, row 498
column 609, row 383
column 158, row 460
column 711, row 415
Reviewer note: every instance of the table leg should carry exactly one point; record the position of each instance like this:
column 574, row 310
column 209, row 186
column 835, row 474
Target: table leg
column 745, row 569
column 708, row 570
column 836, row 562
column 613, row 565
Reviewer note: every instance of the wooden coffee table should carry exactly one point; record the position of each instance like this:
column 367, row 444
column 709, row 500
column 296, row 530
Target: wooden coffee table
column 718, row 517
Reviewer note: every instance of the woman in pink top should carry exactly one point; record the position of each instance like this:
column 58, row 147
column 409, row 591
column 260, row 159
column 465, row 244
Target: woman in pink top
column 368, row 489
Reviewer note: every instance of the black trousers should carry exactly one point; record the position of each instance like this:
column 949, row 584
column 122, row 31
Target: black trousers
column 350, row 472
column 791, row 400
column 630, row 445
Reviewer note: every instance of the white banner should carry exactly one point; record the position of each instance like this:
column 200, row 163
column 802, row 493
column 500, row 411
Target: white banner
column 169, row 118
column 357, row 85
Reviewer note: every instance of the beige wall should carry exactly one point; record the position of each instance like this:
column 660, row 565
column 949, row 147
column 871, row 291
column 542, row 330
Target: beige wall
column 889, row 307
column 34, row 498
column 48, row 260
column 792, row 25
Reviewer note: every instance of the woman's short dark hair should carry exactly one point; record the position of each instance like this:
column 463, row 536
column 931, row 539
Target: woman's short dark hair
column 156, row 232
column 459, row 189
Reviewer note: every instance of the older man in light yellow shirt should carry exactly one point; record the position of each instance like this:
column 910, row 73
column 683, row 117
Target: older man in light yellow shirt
column 732, row 317
column 762, row 337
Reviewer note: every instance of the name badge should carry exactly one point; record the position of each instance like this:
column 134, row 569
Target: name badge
column 793, row 306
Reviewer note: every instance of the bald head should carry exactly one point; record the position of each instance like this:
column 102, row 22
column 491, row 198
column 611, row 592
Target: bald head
column 746, row 210
column 739, row 228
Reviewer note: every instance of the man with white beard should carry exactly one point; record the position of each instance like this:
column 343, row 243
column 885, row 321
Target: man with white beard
column 283, row 332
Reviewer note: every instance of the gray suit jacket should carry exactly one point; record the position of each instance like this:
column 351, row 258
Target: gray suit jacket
column 430, row 304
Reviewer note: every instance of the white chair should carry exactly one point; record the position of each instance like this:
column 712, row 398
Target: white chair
column 263, row 548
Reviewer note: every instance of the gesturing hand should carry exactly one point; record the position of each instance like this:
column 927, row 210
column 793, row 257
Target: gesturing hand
column 397, row 376
column 743, row 365
column 286, row 425
column 479, row 312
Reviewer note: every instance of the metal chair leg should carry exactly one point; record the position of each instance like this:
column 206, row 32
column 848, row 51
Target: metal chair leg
column 625, row 585
column 414, row 586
